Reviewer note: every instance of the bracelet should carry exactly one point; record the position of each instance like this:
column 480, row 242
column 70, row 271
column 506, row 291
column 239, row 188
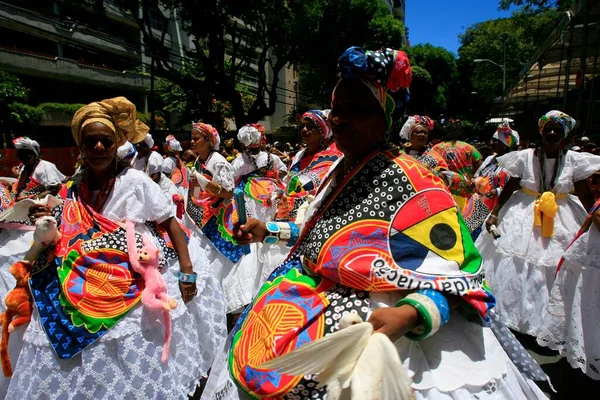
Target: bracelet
column 282, row 233
column 440, row 301
column 187, row 278
column 429, row 315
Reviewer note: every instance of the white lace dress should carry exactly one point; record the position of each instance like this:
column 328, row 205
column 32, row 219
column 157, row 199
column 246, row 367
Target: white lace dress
column 571, row 319
column 520, row 265
column 125, row 363
column 247, row 276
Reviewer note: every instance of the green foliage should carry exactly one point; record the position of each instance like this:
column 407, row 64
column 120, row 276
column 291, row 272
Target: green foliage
column 61, row 108
column 364, row 23
column 536, row 5
column 25, row 114
column 11, row 89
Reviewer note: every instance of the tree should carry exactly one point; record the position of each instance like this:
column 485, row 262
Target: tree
column 339, row 25
column 536, row 5
column 521, row 34
column 434, row 70
column 13, row 112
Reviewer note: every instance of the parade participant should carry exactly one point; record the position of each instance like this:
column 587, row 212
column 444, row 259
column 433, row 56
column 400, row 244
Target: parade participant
column 209, row 202
column 173, row 166
column 536, row 223
column 355, row 257
column 36, row 176
column 570, row 325
column 489, row 180
column 310, row 166
column 257, row 173
column 99, row 338
column 148, row 160
column 463, row 159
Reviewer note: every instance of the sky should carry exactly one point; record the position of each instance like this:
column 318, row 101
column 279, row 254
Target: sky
column 439, row 22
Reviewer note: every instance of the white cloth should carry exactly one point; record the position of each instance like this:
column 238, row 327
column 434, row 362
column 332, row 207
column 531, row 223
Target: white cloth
column 47, row 173
column 571, row 320
column 125, row 363
column 221, row 170
column 150, row 164
column 520, row 265
column 168, row 165
column 242, row 165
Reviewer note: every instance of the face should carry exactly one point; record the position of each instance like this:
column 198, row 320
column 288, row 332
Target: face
column 199, row 142
column 356, row 118
column 552, row 133
column 27, row 157
column 310, row 133
column 143, row 149
column 98, row 146
column 419, row 137
column 499, row 147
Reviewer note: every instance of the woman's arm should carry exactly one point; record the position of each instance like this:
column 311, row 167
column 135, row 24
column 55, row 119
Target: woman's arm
column 512, row 185
column 188, row 290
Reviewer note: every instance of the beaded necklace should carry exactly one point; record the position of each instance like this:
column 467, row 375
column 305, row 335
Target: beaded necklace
column 545, row 184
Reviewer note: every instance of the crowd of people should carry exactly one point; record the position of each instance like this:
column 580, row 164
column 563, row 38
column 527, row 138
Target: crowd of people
column 246, row 252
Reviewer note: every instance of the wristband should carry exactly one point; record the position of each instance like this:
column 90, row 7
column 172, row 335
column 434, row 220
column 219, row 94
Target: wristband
column 441, row 303
column 429, row 316
column 187, row 278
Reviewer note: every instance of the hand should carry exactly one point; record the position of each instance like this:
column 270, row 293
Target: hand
column 597, row 219
column 492, row 220
column 394, row 321
column 253, row 231
column 188, row 290
column 38, row 211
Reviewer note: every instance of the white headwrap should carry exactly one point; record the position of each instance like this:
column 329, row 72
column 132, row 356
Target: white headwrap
column 173, row 143
column 507, row 135
column 127, row 151
column 249, row 135
column 24, row 143
column 148, row 140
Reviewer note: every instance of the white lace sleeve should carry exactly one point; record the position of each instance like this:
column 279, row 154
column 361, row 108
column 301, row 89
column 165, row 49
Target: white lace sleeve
column 47, row 174
column 584, row 165
column 514, row 163
column 155, row 162
column 223, row 175
column 137, row 198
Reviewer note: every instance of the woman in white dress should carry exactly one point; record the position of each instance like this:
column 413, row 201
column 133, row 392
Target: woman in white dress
column 537, row 218
column 89, row 336
column 571, row 321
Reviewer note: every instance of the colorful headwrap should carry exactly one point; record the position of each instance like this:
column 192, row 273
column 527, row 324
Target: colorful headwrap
column 118, row 113
column 250, row 135
column 321, row 119
column 565, row 120
column 413, row 122
column 381, row 71
column 210, row 132
column 507, row 135
column 24, row 143
column 172, row 144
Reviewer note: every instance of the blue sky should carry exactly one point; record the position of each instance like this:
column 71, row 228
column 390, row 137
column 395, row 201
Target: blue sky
column 439, row 22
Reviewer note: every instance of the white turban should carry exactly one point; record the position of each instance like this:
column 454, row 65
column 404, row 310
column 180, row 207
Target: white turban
column 24, row 143
column 249, row 135
column 148, row 140
column 127, row 151
column 173, row 144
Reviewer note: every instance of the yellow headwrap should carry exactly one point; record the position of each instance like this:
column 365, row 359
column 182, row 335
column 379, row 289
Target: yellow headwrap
column 118, row 113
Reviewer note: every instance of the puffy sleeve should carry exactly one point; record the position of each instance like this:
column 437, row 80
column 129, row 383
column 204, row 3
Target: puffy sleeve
column 155, row 163
column 47, row 174
column 584, row 165
column 223, row 175
column 138, row 198
column 237, row 167
column 168, row 165
column 514, row 163
column 279, row 165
